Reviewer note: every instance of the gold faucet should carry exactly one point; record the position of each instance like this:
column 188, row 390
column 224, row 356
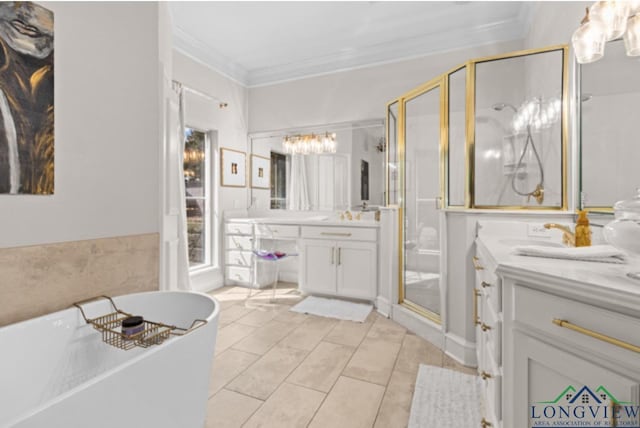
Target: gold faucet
column 568, row 237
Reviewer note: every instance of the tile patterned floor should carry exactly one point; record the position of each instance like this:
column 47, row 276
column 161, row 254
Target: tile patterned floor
column 277, row 368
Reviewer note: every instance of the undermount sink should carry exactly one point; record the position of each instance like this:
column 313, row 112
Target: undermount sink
column 513, row 242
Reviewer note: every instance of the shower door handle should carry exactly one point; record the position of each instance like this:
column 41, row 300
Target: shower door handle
column 438, row 203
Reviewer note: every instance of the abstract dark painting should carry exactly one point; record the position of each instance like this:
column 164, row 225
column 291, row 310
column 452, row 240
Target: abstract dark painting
column 26, row 99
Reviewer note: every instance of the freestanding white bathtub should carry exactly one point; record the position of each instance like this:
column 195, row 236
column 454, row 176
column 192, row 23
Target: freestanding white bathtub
column 55, row 371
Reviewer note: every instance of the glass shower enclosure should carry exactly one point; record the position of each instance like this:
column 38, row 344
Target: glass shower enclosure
column 420, row 157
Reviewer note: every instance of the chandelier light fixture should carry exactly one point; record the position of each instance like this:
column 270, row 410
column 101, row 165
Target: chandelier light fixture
column 606, row 21
column 536, row 114
column 310, row 144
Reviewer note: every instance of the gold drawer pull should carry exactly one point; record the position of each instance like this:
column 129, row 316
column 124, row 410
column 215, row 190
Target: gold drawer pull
column 334, row 234
column 485, row 284
column 486, row 423
column 596, row 335
column 485, row 327
column 476, row 318
column 484, row 375
column 476, row 263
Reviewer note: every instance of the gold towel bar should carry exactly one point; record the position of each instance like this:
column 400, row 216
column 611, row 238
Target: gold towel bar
column 596, row 335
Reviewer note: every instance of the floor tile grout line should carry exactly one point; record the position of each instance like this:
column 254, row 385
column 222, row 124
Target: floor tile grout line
column 323, row 338
column 386, row 388
column 274, row 345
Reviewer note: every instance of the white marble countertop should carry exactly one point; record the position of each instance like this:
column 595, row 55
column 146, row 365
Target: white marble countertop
column 603, row 280
column 304, row 221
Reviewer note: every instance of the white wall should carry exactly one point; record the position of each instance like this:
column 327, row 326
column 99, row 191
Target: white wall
column 351, row 95
column 107, row 129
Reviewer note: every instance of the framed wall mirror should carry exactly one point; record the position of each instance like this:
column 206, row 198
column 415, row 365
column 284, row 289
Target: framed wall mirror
column 351, row 178
column 520, row 130
column 607, row 106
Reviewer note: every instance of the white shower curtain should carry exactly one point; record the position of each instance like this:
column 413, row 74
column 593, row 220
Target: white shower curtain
column 178, row 143
column 298, row 191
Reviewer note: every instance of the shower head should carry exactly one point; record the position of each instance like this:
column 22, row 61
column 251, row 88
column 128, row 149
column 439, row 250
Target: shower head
column 502, row 106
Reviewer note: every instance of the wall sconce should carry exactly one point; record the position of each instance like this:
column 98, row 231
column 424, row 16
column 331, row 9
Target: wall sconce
column 606, row 21
column 309, row 144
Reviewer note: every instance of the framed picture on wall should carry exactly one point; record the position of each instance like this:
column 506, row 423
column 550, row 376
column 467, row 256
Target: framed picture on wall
column 233, row 168
column 260, row 172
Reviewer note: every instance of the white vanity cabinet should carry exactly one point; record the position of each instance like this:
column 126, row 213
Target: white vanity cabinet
column 561, row 335
column 238, row 256
column 487, row 299
column 339, row 261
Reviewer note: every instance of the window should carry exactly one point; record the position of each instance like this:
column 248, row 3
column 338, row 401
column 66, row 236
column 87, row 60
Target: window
column 279, row 181
column 197, row 180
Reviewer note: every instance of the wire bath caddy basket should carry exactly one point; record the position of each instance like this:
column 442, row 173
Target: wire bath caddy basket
column 152, row 333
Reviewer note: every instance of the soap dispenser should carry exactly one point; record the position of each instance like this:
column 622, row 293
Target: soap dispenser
column 583, row 231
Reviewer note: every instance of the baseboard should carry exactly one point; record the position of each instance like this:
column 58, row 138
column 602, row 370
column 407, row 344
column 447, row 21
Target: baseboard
column 460, row 350
column 427, row 329
column 383, row 305
column 206, row 280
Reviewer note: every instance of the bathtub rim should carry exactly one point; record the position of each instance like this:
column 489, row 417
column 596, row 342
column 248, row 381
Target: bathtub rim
column 211, row 318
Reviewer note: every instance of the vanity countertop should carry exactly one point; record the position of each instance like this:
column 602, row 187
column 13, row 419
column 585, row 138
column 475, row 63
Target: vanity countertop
column 305, row 221
column 606, row 281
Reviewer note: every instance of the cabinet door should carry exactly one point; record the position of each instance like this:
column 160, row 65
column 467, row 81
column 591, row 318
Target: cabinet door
column 357, row 269
column 318, row 266
column 549, row 382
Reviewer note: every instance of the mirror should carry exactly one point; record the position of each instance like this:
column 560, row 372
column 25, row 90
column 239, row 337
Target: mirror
column 520, row 138
column 351, row 178
column 609, row 146
column 456, row 159
column 422, row 192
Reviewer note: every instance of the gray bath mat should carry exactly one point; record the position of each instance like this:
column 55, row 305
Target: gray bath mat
column 445, row 398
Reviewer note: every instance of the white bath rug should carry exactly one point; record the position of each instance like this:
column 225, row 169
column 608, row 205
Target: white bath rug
column 445, row 398
column 333, row 308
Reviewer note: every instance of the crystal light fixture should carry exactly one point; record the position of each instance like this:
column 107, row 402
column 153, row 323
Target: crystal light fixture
column 310, row 144
column 537, row 114
column 613, row 15
column 632, row 36
column 606, row 21
column 589, row 40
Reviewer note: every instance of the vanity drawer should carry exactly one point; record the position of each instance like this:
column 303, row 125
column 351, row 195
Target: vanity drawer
column 538, row 310
column 491, row 333
column 277, row 231
column 240, row 258
column 239, row 274
column 340, row 233
column 487, row 281
column 235, row 242
column 238, row 228
column 492, row 385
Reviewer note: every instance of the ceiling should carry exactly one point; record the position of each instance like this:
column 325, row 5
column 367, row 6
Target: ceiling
column 260, row 43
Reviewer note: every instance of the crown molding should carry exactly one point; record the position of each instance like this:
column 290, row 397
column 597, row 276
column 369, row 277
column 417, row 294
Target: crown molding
column 199, row 51
column 384, row 53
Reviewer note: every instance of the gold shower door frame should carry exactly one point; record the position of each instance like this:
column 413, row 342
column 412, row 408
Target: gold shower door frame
column 437, row 83
column 442, row 82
